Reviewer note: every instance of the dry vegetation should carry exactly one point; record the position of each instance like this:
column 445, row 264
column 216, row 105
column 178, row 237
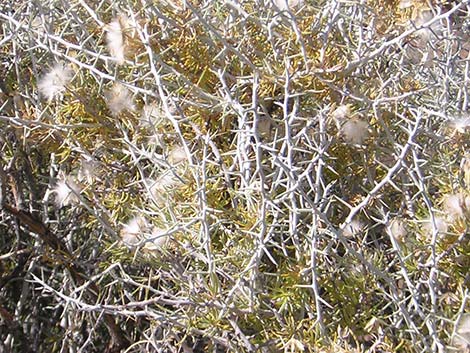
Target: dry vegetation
column 234, row 176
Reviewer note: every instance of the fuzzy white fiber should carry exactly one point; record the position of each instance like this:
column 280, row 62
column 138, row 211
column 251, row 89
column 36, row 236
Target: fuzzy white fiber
column 66, row 191
column 53, row 83
column 119, row 99
column 166, row 182
column 355, row 131
column 115, row 40
column 397, row 229
column 404, row 4
column 460, row 124
column 132, row 231
column 162, row 187
column 137, row 231
column 456, row 206
column 442, row 227
column 177, row 154
column 89, row 170
column 341, row 114
column 157, row 239
column 151, row 116
column 287, row 4
column 426, row 34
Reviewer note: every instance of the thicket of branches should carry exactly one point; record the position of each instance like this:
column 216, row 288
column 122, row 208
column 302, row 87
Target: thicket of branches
column 234, row 176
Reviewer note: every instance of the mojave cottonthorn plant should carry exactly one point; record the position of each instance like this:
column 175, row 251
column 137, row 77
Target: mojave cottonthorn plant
column 234, row 176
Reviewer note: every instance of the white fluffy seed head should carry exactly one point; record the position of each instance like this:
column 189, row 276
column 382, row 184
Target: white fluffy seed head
column 287, row 4
column 89, row 170
column 456, row 206
column 115, row 40
column 341, row 114
column 397, row 229
column 53, row 83
column 162, row 187
column 355, row 131
column 461, row 337
column 157, row 240
column 441, row 226
column 137, row 232
column 177, row 154
column 165, row 182
column 152, row 116
column 132, row 231
column 404, row 4
column 119, row 99
column 460, row 124
column 66, row 192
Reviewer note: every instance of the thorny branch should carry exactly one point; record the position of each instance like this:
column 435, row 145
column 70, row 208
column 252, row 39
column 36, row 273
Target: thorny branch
column 229, row 176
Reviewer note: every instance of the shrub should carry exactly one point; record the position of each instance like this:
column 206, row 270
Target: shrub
column 226, row 176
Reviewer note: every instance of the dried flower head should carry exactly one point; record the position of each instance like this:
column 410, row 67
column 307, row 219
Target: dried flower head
column 441, row 227
column 132, row 231
column 163, row 186
column 157, row 240
column 152, row 116
column 426, row 34
column 341, row 114
column 53, row 83
column 119, row 99
column 177, row 154
column 404, row 4
column 456, row 206
column 66, row 192
column 89, row 169
column 116, row 34
column 287, row 4
column 355, row 131
column 460, row 124
column 397, row 229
